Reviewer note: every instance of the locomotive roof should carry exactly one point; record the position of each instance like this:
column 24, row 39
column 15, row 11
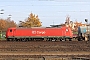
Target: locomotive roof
column 37, row 27
column 34, row 27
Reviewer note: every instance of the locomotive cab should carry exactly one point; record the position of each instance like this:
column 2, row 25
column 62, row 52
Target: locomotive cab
column 10, row 33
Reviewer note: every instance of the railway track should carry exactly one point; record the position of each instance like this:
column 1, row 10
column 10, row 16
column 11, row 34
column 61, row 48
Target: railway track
column 61, row 49
column 39, row 56
column 45, row 57
column 42, row 46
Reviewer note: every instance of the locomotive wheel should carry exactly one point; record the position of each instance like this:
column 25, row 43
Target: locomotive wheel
column 9, row 39
column 60, row 39
column 70, row 39
column 23, row 39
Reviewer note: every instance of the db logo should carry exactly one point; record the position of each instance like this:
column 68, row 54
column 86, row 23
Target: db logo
column 38, row 32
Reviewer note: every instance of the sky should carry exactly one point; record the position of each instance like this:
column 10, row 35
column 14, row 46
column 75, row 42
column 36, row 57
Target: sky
column 49, row 11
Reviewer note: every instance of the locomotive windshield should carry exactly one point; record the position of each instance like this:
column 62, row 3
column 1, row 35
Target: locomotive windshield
column 10, row 30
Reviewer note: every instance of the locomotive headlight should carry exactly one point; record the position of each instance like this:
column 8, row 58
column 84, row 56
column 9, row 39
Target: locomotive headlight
column 66, row 29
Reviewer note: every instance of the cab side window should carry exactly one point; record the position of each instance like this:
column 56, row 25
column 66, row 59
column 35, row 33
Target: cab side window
column 10, row 30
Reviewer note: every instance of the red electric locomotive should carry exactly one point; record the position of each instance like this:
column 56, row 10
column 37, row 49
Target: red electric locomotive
column 38, row 33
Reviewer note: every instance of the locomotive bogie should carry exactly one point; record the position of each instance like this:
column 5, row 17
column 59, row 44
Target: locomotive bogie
column 39, row 38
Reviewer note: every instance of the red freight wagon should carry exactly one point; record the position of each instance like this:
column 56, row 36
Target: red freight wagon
column 38, row 33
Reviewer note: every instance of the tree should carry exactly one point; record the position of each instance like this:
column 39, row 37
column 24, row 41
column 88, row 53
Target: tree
column 31, row 21
column 6, row 23
column 10, row 23
column 2, row 24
